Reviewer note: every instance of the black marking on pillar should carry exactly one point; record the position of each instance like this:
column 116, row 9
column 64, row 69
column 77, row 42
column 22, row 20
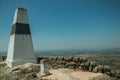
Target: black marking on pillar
column 20, row 28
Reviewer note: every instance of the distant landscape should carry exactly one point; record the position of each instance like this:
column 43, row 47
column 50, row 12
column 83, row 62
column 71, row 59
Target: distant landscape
column 109, row 57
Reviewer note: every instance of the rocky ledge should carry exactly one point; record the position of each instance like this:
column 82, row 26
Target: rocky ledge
column 28, row 71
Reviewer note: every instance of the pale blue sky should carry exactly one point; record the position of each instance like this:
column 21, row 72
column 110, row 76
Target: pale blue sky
column 65, row 24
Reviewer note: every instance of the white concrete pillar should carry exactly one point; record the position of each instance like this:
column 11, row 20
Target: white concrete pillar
column 20, row 49
column 44, row 67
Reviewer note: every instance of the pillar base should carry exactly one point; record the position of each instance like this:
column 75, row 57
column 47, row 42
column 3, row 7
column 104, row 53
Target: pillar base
column 14, row 63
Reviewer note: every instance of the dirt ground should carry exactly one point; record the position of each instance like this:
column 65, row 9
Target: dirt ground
column 69, row 74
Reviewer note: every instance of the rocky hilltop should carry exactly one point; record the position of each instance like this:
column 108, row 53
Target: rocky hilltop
column 81, row 63
column 61, row 68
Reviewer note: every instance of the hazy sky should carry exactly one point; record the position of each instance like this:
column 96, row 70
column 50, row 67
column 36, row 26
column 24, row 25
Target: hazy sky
column 65, row 24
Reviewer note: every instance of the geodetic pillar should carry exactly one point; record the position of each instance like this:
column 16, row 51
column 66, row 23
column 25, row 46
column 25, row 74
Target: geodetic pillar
column 20, row 49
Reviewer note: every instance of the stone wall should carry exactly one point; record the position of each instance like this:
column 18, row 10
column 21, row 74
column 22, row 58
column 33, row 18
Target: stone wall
column 79, row 63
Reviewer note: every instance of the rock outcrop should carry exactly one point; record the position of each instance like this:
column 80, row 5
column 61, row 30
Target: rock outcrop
column 26, row 71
